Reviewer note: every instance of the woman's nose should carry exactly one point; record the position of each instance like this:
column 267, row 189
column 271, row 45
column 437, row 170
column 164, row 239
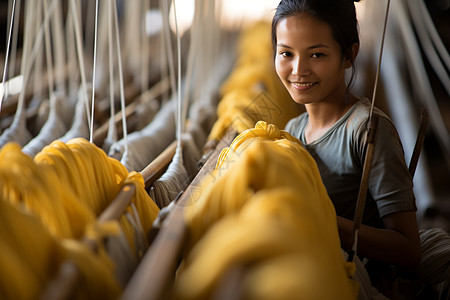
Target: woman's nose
column 300, row 67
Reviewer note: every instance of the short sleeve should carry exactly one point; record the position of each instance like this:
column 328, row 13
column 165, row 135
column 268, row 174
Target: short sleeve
column 390, row 183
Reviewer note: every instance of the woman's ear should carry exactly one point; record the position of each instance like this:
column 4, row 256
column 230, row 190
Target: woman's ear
column 352, row 55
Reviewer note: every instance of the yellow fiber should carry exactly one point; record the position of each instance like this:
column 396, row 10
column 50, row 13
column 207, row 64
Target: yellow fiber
column 253, row 90
column 265, row 208
column 58, row 197
column 30, row 257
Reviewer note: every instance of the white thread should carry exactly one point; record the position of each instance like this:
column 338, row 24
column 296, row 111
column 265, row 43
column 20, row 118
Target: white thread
column 14, row 41
column 94, row 71
column 112, row 135
column 48, row 52
column 7, row 54
column 179, row 125
column 122, row 95
column 78, row 43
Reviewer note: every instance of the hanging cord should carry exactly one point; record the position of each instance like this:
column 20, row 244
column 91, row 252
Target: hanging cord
column 371, row 132
column 32, row 57
column 178, row 92
column 112, row 125
column 3, row 89
column 168, row 45
column 15, row 38
column 48, row 52
column 191, row 59
column 79, row 47
column 122, row 93
column 93, row 71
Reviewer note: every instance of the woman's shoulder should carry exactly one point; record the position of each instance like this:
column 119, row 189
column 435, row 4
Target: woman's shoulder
column 360, row 115
column 296, row 123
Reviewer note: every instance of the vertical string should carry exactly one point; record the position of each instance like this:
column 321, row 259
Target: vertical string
column 179, row 107
column 191, row 59
column 112, row 126
column 78, row 43
column 93, row 71
column 15, row 36
column 379, row 62
column 168, row 45
column 32, row 58
column 7, row 54
column 122, row 94
column 48, row 53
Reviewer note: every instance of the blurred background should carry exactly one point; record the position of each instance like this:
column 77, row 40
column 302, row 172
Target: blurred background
column 415, row 68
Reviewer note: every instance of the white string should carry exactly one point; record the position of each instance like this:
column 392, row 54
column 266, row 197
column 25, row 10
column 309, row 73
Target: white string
column 14, row 42
column 38, row 81
column 112, row 126
column 191, row 59
column 7, row 54
column 93, row 71
column 48, row 52
column 80, row 56
column 34, row 53
column 168, row 45
column 122, row 94
column 379, row 62
column 179, row 125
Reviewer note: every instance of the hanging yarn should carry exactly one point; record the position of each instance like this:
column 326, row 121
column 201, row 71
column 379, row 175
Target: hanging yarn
column 266, row 204
column 79, row 127
column 253, row 91
column 146, row 144
column 69, row 184
column 54, row 127
column 31, row 256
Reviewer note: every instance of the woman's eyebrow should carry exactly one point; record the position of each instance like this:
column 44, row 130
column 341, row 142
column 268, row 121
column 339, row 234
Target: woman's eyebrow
column 284, row 46
column 310, row 47
column 318, row 46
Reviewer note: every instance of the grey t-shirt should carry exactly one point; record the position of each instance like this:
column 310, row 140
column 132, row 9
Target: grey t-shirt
column 339, row 154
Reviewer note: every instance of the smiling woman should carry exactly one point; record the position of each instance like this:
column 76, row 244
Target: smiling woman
column 314, row 42
column 308, row 60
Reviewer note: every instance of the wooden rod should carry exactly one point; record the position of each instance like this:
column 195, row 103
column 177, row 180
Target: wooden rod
column 154, row 170
column 424, row 119
column 68, row 274
column 117, row 207
column 155, row 274
column 361, row 202
column 154, row 92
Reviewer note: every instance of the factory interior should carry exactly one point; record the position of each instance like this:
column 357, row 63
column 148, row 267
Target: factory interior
column 141, row 152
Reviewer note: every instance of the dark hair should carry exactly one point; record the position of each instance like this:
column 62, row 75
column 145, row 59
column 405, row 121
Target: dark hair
column 339, row 14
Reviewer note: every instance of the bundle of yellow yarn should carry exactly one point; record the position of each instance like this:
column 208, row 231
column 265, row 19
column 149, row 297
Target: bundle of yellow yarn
column 62, row 192
column 266, row 210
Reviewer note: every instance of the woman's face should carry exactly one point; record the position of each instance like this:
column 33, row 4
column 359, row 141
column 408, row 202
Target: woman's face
column 308, row 60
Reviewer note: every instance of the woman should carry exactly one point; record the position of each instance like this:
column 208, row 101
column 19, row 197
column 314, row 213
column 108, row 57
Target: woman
column 315, row 42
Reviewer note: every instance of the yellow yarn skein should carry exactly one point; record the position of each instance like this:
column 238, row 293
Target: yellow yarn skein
column 66, row 187
column 267, row 206
column 31, row 255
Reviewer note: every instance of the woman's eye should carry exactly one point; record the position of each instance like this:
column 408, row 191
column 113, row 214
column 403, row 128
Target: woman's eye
column 286, row 54
column 317, row 55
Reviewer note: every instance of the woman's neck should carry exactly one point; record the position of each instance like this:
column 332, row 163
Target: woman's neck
column 323, row 115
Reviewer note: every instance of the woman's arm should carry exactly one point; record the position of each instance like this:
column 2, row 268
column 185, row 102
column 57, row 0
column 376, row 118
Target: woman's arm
column 398, row 244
